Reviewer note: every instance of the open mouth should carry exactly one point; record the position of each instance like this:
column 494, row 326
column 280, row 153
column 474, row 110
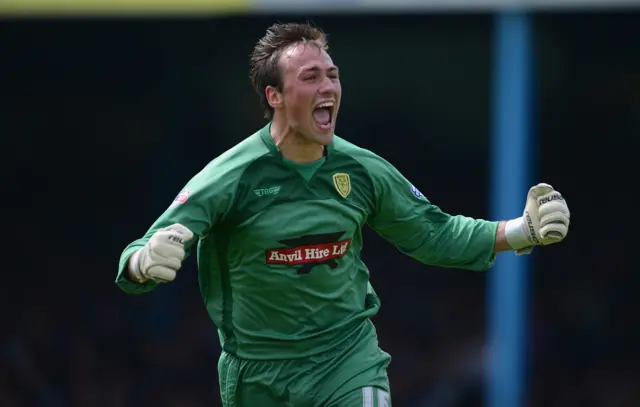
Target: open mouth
column 323, row 115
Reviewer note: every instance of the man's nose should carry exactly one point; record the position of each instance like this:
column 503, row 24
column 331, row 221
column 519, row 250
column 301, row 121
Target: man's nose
column 327, row 86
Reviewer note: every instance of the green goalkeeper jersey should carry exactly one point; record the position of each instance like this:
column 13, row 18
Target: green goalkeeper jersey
column 279, row 243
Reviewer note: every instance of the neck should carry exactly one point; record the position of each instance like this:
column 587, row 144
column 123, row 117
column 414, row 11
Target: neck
column 293, row 145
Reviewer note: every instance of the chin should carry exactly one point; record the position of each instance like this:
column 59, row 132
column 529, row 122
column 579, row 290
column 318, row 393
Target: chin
column 323, row 138
column 321, row 135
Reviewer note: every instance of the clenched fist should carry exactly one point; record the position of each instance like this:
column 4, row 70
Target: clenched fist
column 545, row 220
column 162, row 256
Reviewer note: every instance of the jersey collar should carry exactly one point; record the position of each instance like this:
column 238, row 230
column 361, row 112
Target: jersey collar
column 268, row 140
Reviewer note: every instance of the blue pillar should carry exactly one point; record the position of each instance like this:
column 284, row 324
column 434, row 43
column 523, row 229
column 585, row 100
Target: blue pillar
column 510, row 158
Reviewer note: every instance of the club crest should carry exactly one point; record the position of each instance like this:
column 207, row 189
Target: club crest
column 342, row 182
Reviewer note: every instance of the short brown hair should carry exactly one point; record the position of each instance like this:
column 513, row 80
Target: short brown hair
column 266, row 54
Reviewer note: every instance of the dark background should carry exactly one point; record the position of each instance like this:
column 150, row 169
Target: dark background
column 103, row 121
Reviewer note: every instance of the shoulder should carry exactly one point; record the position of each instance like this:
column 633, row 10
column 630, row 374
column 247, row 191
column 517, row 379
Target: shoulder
column 372, row 162
column 384, row 175
column 346, row 147
column 229, row 166
column 241, row 155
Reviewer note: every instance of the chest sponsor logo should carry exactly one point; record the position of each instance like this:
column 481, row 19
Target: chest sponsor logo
column 310, row 251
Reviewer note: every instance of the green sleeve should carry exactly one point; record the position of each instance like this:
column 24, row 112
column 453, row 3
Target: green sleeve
column 403, row 216
column 203, row 201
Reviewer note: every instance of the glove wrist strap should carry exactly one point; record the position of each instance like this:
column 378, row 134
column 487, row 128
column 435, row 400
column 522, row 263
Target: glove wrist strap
column 516, row 234
column 134, row 268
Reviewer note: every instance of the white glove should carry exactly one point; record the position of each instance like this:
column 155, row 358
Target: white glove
column 162, row 256
column 545, row 220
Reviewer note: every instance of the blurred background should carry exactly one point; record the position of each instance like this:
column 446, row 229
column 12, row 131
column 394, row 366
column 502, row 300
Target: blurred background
column 105, row 117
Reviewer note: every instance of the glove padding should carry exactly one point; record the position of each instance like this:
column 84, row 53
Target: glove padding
column 545, row 220
column 162, row 256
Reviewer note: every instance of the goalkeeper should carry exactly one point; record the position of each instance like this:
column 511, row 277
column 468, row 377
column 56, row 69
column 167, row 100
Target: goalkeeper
column 277, row 221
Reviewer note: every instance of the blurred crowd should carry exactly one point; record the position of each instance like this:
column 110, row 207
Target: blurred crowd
column 85, row 343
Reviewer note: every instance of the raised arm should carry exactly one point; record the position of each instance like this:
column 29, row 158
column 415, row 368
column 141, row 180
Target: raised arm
column 406, row 218
column 194, row 211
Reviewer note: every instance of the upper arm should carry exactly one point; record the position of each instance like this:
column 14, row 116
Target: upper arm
column 402, row 215
column 202, row 203
column 407, row 219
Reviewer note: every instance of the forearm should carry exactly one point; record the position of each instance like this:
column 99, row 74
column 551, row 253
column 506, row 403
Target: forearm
column 448, row 241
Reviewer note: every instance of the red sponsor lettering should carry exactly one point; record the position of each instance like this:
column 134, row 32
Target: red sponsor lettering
column 315, row 253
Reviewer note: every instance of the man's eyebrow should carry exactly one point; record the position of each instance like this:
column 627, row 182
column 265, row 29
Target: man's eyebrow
column 316, row 68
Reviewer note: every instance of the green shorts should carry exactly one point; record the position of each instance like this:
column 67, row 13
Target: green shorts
column 353, row 374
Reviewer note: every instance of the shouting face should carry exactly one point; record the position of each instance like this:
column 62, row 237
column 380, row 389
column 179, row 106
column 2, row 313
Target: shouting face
column 310, row 91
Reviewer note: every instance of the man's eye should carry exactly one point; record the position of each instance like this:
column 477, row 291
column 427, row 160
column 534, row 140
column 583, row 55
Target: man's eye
column 309, row 78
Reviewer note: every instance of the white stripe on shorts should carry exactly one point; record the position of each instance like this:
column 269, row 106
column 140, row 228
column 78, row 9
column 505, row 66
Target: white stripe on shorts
column 367, row 397
column 383, row 399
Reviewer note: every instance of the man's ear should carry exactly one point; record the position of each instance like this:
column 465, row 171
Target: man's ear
column 274, row 97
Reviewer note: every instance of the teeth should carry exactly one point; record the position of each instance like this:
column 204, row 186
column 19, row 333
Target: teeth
column 325, row 104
